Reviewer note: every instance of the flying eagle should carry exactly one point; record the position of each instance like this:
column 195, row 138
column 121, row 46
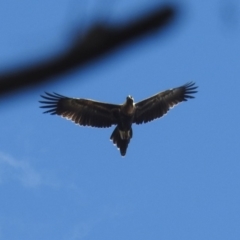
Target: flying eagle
column 87, row 112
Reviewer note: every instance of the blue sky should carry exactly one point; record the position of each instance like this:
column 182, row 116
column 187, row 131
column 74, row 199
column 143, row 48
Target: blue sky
column 180, row 177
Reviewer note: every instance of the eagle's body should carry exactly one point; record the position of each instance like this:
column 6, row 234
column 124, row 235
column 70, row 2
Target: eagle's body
column 87, row 112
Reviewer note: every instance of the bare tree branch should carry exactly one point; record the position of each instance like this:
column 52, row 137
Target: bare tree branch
column 98, row 41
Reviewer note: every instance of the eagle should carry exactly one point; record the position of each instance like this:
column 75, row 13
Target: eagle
column 87, row 112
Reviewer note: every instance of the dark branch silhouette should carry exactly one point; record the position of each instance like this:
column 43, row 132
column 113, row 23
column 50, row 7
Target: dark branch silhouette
column 98, row 41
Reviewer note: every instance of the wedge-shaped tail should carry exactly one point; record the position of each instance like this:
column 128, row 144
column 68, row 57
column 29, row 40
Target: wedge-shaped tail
column 122, row 144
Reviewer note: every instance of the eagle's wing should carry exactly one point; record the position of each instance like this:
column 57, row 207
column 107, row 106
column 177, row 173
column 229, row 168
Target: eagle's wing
column 84, row 112
column 159, row 104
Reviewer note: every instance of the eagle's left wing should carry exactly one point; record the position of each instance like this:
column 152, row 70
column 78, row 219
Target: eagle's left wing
column 84, row 112
column 159, row 104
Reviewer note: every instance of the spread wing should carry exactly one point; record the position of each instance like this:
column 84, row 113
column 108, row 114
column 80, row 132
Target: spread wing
column 84, row 112
column 159, row 104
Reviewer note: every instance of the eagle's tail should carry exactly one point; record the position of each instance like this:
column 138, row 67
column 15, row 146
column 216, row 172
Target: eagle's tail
column 122, row 143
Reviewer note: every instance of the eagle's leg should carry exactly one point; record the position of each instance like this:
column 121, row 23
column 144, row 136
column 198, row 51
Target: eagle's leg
column 125, row 134
column 121, row 139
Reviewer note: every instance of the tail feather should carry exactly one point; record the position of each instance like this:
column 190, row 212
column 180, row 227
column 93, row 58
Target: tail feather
column 122, row 144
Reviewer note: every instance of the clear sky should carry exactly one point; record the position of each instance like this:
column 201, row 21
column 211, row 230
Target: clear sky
column 180, row 178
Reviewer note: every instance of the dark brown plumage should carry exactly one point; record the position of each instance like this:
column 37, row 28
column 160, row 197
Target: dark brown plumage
column 87, row 112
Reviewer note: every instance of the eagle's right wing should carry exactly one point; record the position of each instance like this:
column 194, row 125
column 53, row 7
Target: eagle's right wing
column 159, row 104
column 84, row 112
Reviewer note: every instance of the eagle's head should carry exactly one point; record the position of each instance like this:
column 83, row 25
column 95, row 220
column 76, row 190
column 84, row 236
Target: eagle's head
column 130, row 99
